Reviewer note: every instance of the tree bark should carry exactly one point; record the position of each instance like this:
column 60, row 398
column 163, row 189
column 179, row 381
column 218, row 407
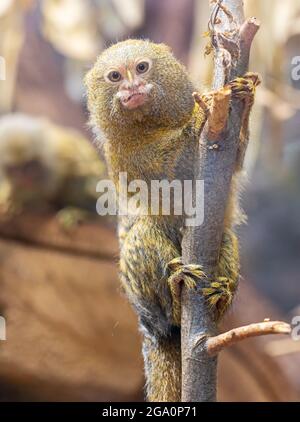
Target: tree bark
column 215, row 166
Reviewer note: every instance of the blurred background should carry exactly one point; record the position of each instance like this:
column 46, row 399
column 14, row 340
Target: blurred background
column 70, row 333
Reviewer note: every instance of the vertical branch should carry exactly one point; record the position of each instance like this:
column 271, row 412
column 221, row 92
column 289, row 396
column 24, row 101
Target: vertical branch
column 231, row 40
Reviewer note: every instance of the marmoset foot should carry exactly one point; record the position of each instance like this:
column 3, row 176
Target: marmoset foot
column 219, row 294
column 181, row 274
column 71, row 217
column 244, row 87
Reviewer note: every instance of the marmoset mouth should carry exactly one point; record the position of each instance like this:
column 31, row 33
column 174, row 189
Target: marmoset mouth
column 134, row 100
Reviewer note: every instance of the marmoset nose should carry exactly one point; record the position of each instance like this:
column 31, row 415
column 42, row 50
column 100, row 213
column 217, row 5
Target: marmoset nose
column 132, row 81
column 129, row 76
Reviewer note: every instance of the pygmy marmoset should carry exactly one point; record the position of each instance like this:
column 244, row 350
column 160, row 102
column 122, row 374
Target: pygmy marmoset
column 143, row 111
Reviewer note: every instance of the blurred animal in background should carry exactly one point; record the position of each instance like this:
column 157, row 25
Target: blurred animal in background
column 44, row 166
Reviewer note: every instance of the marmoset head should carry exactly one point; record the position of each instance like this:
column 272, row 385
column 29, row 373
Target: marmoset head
column 24, row 151
column 137, row 83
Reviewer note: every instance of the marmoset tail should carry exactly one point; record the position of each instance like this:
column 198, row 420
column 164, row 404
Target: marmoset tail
column 142, row 107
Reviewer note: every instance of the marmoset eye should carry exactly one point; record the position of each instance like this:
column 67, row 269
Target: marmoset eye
column 114, row 76
column 142, row 67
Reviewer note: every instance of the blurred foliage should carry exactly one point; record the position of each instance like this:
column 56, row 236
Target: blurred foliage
column 80, row 29
column 11, row 40
column 271, row 56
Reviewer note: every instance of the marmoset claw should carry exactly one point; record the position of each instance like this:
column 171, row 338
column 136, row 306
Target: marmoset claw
column 70, row 217
column 181, row 274
column 219, row 293
column 244, row 86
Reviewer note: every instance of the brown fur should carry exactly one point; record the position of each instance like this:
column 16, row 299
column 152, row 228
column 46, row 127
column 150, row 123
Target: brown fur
column 158, row 141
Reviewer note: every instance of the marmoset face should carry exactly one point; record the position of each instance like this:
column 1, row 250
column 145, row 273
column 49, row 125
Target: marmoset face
column 132, row 82
column 137, row 81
